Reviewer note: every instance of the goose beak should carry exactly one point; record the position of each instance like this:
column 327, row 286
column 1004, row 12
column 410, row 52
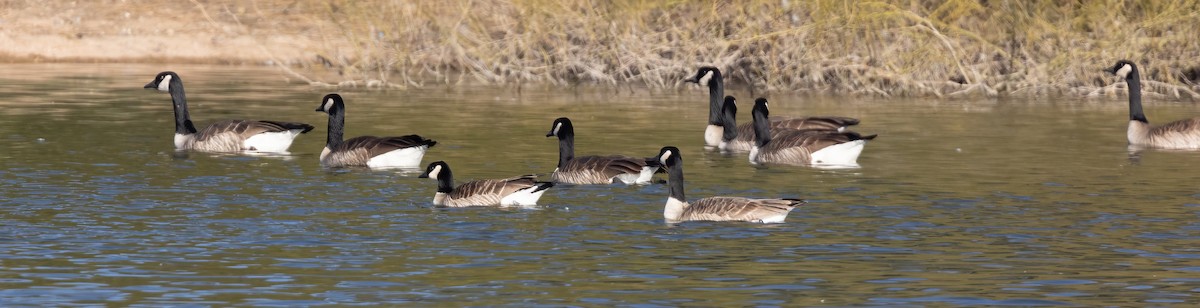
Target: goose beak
column 150, row 85
column 550, row 134
column 424, row 175
column 692, row 80
column 319, row 109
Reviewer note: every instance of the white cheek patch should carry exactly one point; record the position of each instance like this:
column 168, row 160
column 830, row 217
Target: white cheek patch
column 328, row 104
column 663, row 159
column 165, row 84
column 557, row 126
column 1124, row 71
column 704, row 79
column 433, row 174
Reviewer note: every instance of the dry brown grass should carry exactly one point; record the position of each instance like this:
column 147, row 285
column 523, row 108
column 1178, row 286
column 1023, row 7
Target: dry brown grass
column 943, row 48
column 874, row 47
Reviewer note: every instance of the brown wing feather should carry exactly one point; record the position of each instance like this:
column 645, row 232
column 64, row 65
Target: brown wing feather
column 488, row 191
column 608, row 166
column 1185, row 126
column 248, row 128
column 375, row 146
column 813, row 140
column 746, row 130
column 737, row 208
column 1182, row 134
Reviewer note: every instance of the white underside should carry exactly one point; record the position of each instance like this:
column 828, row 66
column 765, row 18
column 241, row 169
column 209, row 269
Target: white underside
column 673, row 209
column 774, row 219
column 712, row 135
column 843, row 154
column 271, row 142
column 643, row 177
column 402, row 158
column 181, row 140
column 439, row 199
column 324, row 152
column 523, row 197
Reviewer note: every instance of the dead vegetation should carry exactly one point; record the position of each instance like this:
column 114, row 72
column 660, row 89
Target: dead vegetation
column 886, row 48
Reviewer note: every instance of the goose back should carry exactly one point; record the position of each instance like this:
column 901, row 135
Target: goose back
column 739, row 209
column 1182, row 134
column 494, row 191
column 371, row 151
column 601, row 170
column 243, row 135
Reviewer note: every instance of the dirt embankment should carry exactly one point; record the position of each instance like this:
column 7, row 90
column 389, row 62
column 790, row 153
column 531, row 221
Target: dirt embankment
column 152, row 31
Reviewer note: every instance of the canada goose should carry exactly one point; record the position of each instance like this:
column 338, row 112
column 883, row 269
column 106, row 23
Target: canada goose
column 595, row 169
column 716, row 208
column 803, row 147
column 521, row 190
column 732, row 138
column 369, row 151
column 711, row 76
column 228, row 135
column 1182, row 134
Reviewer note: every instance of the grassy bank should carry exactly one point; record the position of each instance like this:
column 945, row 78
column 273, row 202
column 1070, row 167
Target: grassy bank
column 907, row 47
column 886, row 48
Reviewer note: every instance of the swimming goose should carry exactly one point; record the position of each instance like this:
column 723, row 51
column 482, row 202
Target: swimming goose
column 716, row 208
column 732, row 138
column 1182, row 134
column 711, row 76
column 595, row 169
column 369, row 151
column 803, row 147
column 224, row 136
column 514, row 191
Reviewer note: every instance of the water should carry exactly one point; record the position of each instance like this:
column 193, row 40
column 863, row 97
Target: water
column 958, row 202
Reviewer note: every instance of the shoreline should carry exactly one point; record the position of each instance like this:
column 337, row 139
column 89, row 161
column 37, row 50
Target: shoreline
column 328, row 45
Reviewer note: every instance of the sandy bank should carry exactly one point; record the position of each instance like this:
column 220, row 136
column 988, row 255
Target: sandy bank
column 149, row 31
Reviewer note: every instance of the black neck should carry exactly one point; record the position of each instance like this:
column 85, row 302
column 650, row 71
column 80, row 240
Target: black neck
column 716, row 93
column 675, row 180
column 729, row 121
column 1135, row 96
column 762, row 126
column 566, row 146
column 337, row 122
column 445, row 180
column 183, row 121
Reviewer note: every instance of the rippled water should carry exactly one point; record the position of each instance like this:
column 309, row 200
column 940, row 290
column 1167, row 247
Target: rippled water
column 959, row 202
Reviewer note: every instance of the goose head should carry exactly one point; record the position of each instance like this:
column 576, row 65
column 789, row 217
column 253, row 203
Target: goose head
column 704, row 75
column 760, row 107
column 561, row 128
column 162, row 82
column 1123, row 68
column 434, row 170
column 331, row 103
column 669, row 157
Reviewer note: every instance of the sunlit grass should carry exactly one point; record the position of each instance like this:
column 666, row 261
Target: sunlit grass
column 898, row 47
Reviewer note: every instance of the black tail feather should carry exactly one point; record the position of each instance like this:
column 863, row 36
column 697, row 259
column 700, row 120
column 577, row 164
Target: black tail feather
column 293, row 125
